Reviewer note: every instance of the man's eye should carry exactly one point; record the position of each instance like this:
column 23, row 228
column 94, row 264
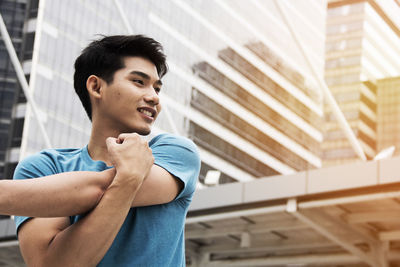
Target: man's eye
column 138, row 81
column 157, row 89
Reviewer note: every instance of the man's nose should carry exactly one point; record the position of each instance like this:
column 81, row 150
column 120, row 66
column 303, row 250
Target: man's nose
column 152, row 97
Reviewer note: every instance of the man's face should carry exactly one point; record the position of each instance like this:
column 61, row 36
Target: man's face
column 130, row 102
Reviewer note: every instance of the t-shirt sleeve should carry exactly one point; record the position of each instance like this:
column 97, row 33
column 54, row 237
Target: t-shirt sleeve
column 34, row 166
column 180, row 157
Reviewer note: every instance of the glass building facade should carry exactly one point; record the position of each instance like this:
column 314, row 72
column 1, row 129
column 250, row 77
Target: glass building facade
column 238, row 85
column 14, row 15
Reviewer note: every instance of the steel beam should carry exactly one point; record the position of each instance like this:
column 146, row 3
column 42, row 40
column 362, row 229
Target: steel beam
column 327, row 93
column 271, row 246
column 22, row 80
column 345, row 239
column 258, row 228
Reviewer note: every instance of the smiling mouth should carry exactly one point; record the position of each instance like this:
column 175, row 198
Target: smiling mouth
column 146, row 112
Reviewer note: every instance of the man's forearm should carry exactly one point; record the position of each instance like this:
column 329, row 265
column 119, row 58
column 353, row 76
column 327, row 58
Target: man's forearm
column 87, row 241
column 58, row 195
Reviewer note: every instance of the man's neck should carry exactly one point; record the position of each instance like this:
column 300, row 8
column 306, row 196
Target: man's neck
column 97, row 147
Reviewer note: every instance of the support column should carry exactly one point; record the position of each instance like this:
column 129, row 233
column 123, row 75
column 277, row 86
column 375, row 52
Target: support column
column 318, row 221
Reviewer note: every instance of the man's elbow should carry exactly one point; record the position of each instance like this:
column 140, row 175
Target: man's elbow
column 38, row 260
column 42, row 262
column 96, row 194
column 54, row 258
column 51, row 262
column 97, row 189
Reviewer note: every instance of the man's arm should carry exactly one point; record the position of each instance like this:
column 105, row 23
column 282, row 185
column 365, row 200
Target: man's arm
column 158, row 187
column 63, row 194
column 74, row 193
column 175, row 172
column 54, row 242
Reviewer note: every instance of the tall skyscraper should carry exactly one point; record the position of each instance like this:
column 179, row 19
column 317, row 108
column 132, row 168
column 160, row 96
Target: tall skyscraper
column 14, row 13
column 362, row 45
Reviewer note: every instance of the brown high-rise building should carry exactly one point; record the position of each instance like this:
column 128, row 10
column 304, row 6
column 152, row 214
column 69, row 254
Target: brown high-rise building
column 388, row 114
column 362, row 45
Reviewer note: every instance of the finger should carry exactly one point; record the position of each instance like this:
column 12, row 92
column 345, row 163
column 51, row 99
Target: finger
column 111, row 141
column 122, row 137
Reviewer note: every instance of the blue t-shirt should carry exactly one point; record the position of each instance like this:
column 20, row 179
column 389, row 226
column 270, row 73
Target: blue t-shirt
column 150, row 236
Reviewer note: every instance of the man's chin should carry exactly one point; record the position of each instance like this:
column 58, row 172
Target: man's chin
column 144, row 131
column 141, row 130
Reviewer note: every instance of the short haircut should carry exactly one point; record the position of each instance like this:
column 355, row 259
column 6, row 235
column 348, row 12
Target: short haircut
column 105, row 56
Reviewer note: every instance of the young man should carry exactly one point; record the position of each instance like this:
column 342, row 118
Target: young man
column 139, row 220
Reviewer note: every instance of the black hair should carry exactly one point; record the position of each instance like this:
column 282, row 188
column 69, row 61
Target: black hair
column 105, row 56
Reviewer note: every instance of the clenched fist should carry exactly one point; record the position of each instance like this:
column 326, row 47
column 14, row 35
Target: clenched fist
column 131, row 156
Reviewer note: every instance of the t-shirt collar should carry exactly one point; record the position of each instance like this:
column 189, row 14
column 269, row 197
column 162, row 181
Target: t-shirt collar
column 88, row 160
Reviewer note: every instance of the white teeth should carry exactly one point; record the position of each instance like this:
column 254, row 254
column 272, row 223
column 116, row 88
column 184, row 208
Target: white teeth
column 145, row 112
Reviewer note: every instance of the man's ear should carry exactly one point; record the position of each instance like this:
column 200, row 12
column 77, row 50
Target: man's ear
column 94, row 86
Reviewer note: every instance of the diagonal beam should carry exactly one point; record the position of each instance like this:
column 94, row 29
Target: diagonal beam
column 22, row 80
column 328, row 95
column 262, row 227
column 381, row 252
column 269, row 246
column 123, row 17
column 356, row 234
column 130, row 31
column 345, row 242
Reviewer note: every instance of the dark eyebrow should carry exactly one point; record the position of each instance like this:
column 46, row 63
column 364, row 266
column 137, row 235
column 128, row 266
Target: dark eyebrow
column 144, row 76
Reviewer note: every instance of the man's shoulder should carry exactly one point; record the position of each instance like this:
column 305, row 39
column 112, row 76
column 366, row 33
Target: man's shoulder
column 173, row 140
column 180, row 157
column 53, row 154
column 45, row 162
